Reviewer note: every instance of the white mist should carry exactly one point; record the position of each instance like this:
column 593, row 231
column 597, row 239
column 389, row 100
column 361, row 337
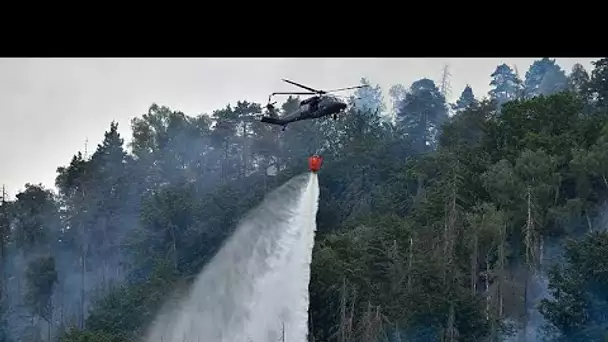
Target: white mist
column 256, row 287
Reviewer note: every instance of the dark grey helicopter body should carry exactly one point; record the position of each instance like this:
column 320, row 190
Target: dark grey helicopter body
column 318, row 106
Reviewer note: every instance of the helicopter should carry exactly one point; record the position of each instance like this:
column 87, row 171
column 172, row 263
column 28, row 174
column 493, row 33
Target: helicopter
column 320, row 105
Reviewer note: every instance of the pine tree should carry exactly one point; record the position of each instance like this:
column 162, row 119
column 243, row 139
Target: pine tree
column 598, row 84
column 506, row 85
column 422, row 113
column 369, row 98
column 578, row 80
column 544, row 77
column 466, row 99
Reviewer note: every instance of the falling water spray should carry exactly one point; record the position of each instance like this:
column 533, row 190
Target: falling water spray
column 256, row 287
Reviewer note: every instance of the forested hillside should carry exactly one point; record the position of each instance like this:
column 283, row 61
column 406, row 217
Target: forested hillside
column 470, row 221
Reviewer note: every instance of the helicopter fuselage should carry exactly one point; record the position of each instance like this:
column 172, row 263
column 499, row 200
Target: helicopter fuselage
column 317, row 107
column 312, row 108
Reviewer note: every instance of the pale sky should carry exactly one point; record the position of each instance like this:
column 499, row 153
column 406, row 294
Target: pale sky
column 50, row 107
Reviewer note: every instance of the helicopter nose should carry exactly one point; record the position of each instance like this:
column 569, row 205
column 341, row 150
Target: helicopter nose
column 341, row 106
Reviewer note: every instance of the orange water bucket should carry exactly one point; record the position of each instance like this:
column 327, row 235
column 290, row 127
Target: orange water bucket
column 315, row 162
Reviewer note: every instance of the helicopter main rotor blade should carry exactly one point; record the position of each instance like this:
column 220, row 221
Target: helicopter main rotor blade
column 349, row 88
column 305, row 87
column 294, row 93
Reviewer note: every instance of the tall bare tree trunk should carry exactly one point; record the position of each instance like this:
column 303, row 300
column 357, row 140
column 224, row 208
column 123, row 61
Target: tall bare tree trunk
column 173, row 246
column 487, row 286
column 501, row 269
column 529, row 242
column 398, row 270
column 104, row 262
column 410, row 259
column 397, row 333
column 83, row 258
column 474, row 259
column 524, row 333
column 367, row 329
column 449, row 226
column 82, row 287
column 451, row 333
column 541, row 252
column 500, row 279
column 529, row 230
column 343, row 320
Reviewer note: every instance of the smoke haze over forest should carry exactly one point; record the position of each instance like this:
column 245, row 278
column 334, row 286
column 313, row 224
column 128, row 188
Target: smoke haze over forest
column 51, row 106
column 472, row 216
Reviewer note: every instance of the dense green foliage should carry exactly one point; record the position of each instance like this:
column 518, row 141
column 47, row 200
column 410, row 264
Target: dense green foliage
column 431, row 227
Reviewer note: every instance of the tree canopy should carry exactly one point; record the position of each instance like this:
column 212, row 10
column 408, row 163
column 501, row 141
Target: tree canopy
column 471, row 227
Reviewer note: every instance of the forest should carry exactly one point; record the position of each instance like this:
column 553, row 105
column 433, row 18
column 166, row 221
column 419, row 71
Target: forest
column 479, row 220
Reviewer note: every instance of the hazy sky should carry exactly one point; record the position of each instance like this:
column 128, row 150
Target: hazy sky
column 50, row 107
